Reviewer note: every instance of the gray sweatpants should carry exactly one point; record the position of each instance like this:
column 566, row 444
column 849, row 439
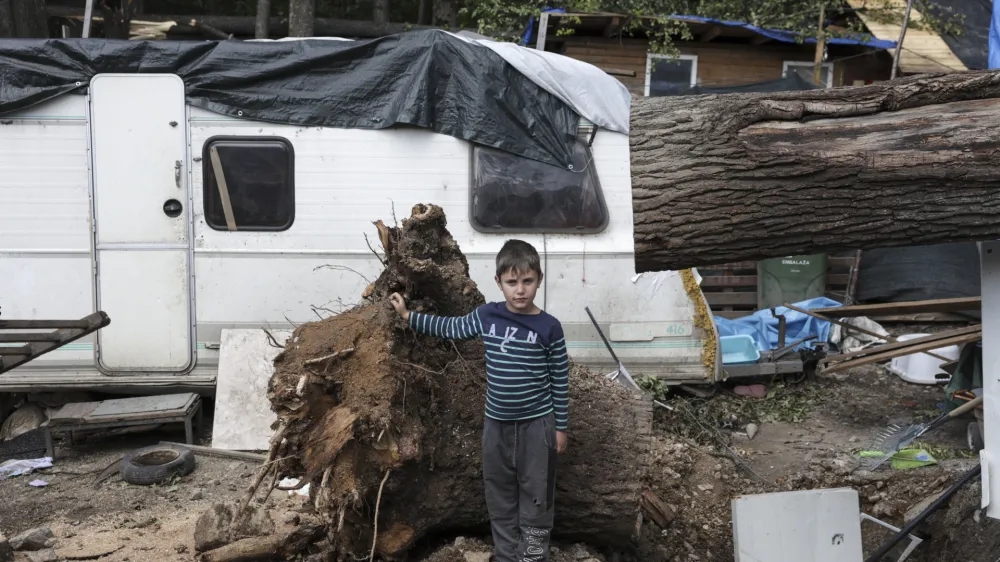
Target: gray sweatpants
column 519, row 470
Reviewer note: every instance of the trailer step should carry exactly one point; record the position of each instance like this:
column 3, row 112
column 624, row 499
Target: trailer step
column 38, row 344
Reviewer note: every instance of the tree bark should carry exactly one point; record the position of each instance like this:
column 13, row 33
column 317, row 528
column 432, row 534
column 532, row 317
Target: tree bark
column 117, row 18
column 392, row 430
column 380, row 12
column 724, row 178
column 29, row 19
column 245, row 25
column 302, row 18
column 424, row 12
column 6, row 20
column 262, row 29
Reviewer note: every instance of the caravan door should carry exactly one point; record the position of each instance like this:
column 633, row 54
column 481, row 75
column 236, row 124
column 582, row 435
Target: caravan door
column 141, row 222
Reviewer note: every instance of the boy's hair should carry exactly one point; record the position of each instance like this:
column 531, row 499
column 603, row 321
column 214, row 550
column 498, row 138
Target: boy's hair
column 518, row 256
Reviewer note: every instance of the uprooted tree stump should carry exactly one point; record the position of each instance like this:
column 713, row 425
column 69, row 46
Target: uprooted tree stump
column 387, row 426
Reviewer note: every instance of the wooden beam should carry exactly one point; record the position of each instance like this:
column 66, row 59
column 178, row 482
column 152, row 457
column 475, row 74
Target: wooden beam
column 729, row 281
column 41, row 324
column 619, row 72
column 711, row 34
column 897, row 308
column 84, row 326
column 15, row 350
column 614, row 26
column 878, row 357
column 220, row 453
column 723, row 299
column 543, row 31
column 20, row 337
column 815, row 314
column 901, row 344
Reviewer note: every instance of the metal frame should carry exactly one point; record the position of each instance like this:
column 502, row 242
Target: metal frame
column 649, row 68
column 785, row 65
column 193, row 418
column 989, row 256
column 95, row 229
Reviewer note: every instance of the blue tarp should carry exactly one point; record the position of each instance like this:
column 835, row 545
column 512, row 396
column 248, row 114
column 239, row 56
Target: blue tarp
column 775, row 34
column 763, row 327
column 994, row 43
column 792, row 37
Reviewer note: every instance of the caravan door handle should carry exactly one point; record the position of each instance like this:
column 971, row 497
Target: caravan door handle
column 177, row 173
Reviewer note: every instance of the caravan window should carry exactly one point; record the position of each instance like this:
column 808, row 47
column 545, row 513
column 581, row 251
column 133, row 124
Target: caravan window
column 514, row 194
column 258, row 175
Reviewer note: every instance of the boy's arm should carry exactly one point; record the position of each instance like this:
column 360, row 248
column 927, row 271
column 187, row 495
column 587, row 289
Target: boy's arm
column 460, row 328
column 558, row 361
column 454, row 328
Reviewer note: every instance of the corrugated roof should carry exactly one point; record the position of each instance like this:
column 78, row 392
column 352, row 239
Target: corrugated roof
column 923, row 51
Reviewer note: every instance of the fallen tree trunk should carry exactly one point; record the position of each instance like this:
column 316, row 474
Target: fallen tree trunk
column 385, row 425
column 723, row 178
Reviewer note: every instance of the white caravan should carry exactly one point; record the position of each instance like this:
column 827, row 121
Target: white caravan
column 109, row 201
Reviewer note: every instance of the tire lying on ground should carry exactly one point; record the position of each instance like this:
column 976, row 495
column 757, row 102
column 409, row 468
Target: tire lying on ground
column 155, row 464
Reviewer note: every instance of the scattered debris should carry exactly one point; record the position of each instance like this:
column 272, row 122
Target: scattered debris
column 31, row 540
column 91, row 553
column 6, row 550
column 215, row 527
column 12, row 468
column 752, row 430
column 45, row 555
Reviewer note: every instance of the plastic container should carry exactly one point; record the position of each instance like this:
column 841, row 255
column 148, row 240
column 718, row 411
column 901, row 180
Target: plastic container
column 790, row 279
column 920, row 368
column 738, row 349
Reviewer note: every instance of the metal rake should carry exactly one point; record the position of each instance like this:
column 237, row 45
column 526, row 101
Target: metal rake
column 894, row 438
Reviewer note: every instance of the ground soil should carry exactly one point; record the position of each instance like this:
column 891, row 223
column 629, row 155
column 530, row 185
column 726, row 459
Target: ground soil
column 807, row 436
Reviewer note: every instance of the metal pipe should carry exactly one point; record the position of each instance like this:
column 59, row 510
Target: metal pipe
column 905, row 531
column 899, row 45
column 88, row 16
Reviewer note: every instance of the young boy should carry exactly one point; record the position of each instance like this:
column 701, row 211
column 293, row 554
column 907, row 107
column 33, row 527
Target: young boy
column 527, row 399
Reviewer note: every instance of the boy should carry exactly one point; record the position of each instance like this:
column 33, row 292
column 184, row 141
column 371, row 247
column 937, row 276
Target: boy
column 527, row 398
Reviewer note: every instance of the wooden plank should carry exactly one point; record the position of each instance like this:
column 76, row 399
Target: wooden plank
column 543, row 31
column 847, row 262
column 912, row 307
column 15, row 350
column 837, row 279
column 729, row 281
column 220, row 453
column 90, row 323
column 20, row 337
column 722, row 299
column 878, row 357
column 847, row 326
column 922, row 318
column 42, row 324
column 902, row 344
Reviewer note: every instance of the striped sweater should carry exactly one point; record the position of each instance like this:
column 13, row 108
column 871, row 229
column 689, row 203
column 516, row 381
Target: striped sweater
column 527, row 369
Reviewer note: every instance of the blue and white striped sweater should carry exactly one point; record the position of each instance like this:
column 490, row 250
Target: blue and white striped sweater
column 527, row 368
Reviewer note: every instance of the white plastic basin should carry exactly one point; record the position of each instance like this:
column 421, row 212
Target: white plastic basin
column 920, row 368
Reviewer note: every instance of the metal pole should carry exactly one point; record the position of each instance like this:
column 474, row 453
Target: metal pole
column 925, row 514
column 899, row 45
column 88, row 15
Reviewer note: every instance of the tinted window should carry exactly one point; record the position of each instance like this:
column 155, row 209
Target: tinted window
column 512, row 193
column 666, row 77
column 259, row 177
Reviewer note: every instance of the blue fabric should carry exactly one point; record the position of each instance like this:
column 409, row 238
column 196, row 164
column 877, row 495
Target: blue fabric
column 792, row 37
column 775, row 34
column 530, row 30
column 763, row 327
column 994, row 43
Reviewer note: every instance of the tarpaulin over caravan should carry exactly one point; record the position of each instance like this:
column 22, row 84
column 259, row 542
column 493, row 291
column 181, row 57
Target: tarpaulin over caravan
column 428, row 79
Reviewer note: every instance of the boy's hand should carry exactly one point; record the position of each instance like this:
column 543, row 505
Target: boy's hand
column 561, row 442
column 399, row 305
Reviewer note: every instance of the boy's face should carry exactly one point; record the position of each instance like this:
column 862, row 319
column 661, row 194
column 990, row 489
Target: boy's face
column 519, row 290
